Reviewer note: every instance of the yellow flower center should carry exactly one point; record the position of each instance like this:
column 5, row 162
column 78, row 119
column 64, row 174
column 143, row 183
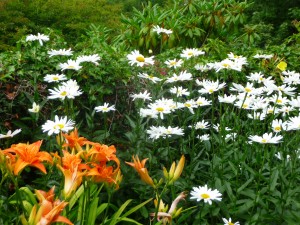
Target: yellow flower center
column 279, row 101
column 64, row 93
column 226, row 65
column 248, row 89
column 190, row 53
column 278, row 128
column 245, row 106
column 104, row 109
column 55, row 78
column 263, row 140
column 229, row 223
column 211, row 90
column 71, row 67
column 187, row 105
column 160, row 109
column 205, row 196
column 173, row 63
column 199, row 103
column 140, row 58
column 60, row 125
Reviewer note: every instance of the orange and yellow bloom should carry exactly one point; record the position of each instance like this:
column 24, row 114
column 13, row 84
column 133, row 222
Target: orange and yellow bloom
column 28, row 155
column 139, row 166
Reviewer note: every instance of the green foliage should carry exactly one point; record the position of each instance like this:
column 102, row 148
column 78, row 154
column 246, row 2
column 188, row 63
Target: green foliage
column 192, row 23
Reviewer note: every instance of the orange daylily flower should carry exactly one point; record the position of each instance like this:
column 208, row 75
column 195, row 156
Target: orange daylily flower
column 72, row 180
column 74, row 141
column 140, row 168
column 47, row 211
column 29, row 155
column 103, row 153
column 102, row 173
column 71, row 161
column 43, row 195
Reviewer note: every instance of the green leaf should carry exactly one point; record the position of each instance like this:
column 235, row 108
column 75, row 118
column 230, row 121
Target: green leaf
column 274, row 178
column 117, row 215
column 75, row 197
column 248, row 204
column 101, row 208
column 131, row 221
column 245, row 185
column 93, row 211
column 136, row 208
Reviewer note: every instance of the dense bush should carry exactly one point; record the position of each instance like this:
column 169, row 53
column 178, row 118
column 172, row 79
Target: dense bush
column 204, row 97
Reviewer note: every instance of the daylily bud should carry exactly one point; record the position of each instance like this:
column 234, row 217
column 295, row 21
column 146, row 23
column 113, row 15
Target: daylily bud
column 175, row 171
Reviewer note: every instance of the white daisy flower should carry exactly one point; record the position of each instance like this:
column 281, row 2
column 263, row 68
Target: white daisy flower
column 206, row 194
column 70, row 65
column 62, row 52
column 159, row 30
column 149, row 77
column 50, row 78
column 145, row 96
column 191, row 52
column 174, row 63
column 262, row 56
column 183, row 76
column 105, row 108
column 229, row 222
column 179, row 91
column 10, row 134
column 135, row 57
column 267, row 138
column 35, row 108
column 204, row 137
column 39, row 37
column 88, row 58
column 58, row 125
